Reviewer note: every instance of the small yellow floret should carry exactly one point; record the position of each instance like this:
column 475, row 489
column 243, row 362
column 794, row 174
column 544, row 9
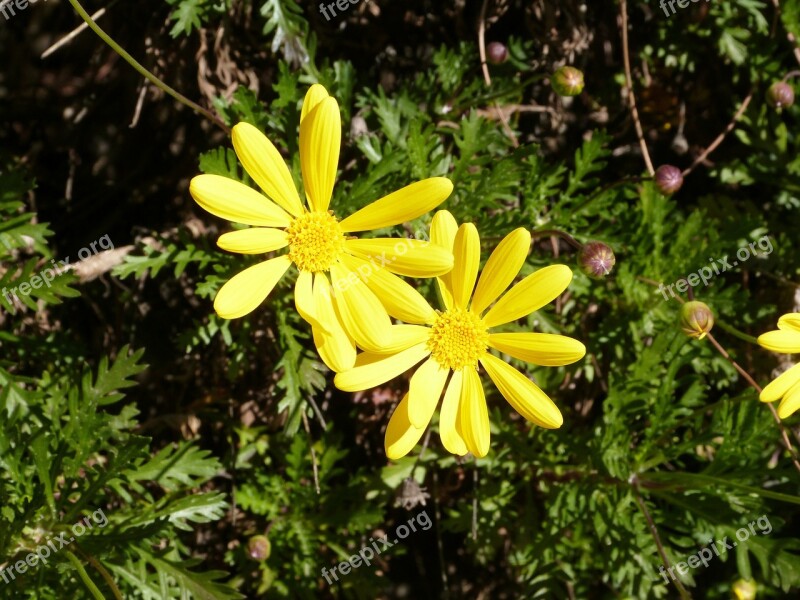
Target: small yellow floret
column 458, row 339
column 315, row 241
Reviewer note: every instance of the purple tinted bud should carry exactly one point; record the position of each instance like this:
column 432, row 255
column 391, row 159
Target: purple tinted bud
column 497, row 53
column 780, row 95
column 596, row 259
column 668, row 179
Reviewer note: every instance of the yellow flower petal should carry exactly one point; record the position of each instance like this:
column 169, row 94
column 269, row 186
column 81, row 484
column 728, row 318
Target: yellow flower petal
column 529, row 295
column 474, row 414
column 467, row 253
column 522, row 394
column 304, row 298
column 336, row 348
column 401, row 435
column 376, row 369
column 404, row 336
column 545, row 349
column 501, row 268
column 400, row 299
column 784, row 341
column 400, row 206
column 234, row 201
column 404, row 256
column 782, row 384
column 315, row 94
column 255, row 240
column 448, row 417
column 362, row 314
column 443, row 233
column 790, row 322
column 320, row 142
column 427, row 384
column 790, row 402
column 266, row 166
column 245, row 291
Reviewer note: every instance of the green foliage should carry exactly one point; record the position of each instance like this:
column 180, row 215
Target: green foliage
column 236, row 430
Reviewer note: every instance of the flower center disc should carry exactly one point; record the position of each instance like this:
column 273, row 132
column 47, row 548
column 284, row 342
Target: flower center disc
column 458, row 339
column 315, row 241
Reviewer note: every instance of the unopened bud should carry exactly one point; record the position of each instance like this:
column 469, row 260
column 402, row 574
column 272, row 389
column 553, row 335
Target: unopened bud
column 780, row 95
column 567, row 81
column 744, row 589
column 596, row 259
column 259, row 548
column 497, row 53
column 668, row 179
column 696, row 319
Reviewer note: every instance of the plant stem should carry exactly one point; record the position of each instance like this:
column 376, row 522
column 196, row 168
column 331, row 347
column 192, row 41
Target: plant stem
column 103, row 572
column 623, row 6
column 144, row 72
column 736, row 333
column 713, row 146
column 654, row 531
column 784, row 437
column 557, row 233
column 82, row 572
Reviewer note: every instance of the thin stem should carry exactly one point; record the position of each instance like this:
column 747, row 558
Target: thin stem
column 654, row 531
column 425, row 443
column 487, row 78
column 785, row 438
column 557, row 233
column 790, row 74
column 629, row 82
column 736, row 333
column 736, row 366
column 103, row 573
column 314, row 468
column 87, row 581
column 713, row 146
column 144, row 72
column 789, row 35
column 439, row 544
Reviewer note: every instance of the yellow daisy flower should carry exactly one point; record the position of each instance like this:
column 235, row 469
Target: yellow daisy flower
column 452, row 344
column 342, row 309
column 786, row 388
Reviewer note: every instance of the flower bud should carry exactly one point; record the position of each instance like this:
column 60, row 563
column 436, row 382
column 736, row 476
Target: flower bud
column 259, row 548
column 744, row 589
column 669, row 179
column 780, row 95
column 696, row 319
column 596, row 259
column 567, row 81
column 497, row 53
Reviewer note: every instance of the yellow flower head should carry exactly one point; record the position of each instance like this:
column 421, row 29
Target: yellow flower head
column 455, row 342
column 343, row 306
column 785, row 388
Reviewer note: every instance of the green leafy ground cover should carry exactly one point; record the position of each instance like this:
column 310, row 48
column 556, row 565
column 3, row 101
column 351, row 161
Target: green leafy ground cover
column 121, row 390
